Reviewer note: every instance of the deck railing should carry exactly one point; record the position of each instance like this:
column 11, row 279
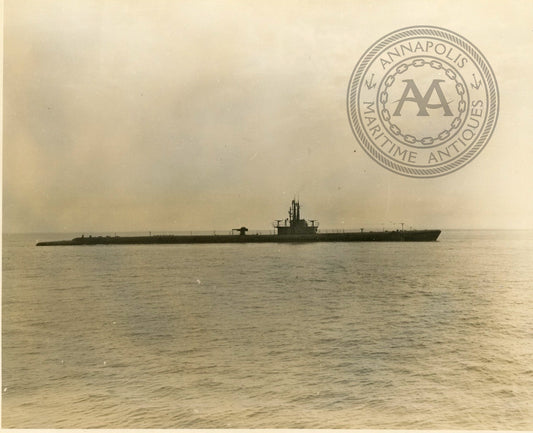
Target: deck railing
column 234, row 232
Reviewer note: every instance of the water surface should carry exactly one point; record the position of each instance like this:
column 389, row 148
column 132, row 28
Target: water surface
column 327, row 335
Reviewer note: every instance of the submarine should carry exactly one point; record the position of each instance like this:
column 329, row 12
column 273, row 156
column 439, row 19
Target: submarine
column 293, row 229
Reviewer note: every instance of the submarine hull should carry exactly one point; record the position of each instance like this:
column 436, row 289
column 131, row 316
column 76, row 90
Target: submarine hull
column 395, row 236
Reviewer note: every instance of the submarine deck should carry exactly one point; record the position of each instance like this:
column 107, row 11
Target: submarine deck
column 393, row 236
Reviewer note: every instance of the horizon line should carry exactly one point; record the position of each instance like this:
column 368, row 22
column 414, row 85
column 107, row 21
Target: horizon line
column 158, row 232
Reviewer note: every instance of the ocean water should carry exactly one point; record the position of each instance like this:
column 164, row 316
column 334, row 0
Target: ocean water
column 356, row 335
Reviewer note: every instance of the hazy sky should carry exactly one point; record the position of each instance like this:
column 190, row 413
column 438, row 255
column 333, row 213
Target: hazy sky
column 130, row 115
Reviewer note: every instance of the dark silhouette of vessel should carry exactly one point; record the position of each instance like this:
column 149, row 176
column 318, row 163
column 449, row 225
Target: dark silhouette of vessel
column 292, row 229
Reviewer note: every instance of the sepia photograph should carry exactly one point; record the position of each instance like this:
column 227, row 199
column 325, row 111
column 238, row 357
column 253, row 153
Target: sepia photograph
column 229, row 214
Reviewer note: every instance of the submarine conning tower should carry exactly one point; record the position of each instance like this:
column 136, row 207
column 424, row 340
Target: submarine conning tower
column 294, row 225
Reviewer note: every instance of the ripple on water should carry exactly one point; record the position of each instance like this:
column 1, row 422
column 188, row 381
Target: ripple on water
column 429, row 336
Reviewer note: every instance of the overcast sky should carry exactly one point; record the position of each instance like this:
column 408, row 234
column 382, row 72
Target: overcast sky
column 129, row 115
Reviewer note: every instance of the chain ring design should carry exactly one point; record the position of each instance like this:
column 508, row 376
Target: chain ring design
column 429, row 160
column 443, row 135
